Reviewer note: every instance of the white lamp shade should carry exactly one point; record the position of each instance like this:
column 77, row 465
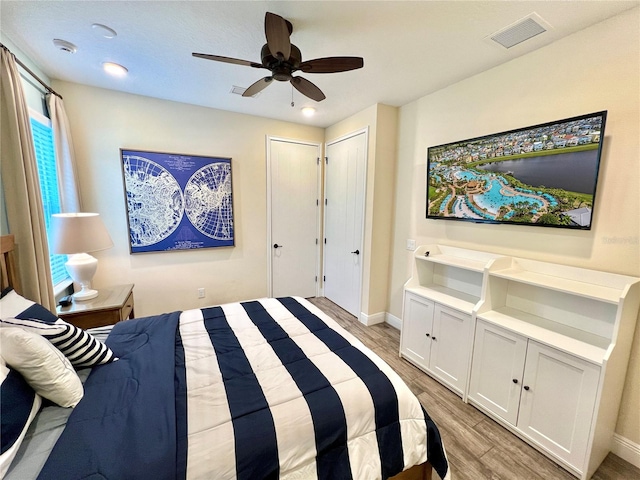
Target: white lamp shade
column 75, row 234
column 78, row 233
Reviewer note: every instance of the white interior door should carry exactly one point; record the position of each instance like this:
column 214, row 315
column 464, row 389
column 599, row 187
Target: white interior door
column 294, row 220
column 345, row 177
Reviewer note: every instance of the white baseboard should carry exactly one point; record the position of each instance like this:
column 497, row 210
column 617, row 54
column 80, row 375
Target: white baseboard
column 394, row 321
column 369, row 320
column 626, row 449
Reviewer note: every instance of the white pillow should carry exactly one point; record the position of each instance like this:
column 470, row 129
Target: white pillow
column 19, row 406
column 81, row 348
column 42, row 365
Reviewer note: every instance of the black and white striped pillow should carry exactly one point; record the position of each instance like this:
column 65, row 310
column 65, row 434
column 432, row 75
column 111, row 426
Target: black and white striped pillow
column 80, row 347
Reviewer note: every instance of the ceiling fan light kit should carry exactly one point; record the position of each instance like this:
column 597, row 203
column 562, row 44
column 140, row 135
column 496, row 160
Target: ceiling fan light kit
column 283, row 59
column 308, row 111
column 114, row 69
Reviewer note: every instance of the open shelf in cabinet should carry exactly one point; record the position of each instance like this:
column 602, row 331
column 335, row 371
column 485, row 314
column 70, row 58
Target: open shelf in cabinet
column 446, row 296
column 601, row 293
column 570, row 308
column 450, row 276
column 588, row 346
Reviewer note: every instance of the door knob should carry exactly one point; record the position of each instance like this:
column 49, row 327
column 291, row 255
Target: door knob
column 357, row 252
column 275, row 245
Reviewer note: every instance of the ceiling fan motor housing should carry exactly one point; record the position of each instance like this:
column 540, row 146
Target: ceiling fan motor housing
column 281, row 70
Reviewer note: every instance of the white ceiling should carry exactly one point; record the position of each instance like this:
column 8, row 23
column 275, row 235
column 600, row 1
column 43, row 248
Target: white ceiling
column 410, row 49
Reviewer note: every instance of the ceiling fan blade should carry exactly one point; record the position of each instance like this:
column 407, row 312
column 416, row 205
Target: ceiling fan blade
column 235, row 61
column 308, row 89
column 277, row 33
column 331, row 64
column 257, row 86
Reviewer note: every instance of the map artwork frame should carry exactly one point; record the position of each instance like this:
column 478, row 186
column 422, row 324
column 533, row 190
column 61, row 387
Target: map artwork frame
column 177, row 201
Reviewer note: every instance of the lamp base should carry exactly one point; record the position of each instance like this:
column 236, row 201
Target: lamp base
column 81, row 268
column 85, row 294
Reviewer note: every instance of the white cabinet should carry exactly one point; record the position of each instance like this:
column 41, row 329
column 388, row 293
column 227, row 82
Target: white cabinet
column 416, row 329
column 449, row 359
column 433, row 338
column 547, row 395
column 568, row 332
column 557, row 405
column 437, row 327
column 498, row 362
column 542, row 348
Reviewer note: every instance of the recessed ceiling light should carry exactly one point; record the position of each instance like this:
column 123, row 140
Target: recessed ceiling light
column 308, row 111
column 114, row 69
column 103, row 30
column 65, row 46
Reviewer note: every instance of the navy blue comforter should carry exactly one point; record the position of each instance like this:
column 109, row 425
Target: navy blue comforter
column 132, row 421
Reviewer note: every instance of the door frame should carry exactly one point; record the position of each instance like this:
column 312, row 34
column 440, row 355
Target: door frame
column 365, row 253
column 269, row 139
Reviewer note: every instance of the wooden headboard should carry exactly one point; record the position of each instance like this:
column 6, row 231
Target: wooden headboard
column 8, row 269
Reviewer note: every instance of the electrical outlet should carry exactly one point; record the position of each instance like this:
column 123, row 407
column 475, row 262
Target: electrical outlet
column 411, row 244
column 201, row 293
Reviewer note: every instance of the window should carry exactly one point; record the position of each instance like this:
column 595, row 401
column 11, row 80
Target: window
column 48, row 174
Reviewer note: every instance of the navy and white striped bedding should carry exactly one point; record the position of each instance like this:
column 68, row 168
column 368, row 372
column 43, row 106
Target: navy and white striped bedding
column 268, row 389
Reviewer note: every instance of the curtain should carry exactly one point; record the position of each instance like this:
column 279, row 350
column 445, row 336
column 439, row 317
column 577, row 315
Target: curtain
column 23, row 201
column 65, row 156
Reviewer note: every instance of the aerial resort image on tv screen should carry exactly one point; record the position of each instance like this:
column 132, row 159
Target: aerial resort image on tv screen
column 541, row 175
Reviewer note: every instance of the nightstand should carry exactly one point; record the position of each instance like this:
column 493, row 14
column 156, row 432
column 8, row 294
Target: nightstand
column 112, row 305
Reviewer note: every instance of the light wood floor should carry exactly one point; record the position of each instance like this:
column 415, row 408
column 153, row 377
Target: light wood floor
column 477, row 447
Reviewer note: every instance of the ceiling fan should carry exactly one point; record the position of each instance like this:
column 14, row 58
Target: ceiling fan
column 283, row 58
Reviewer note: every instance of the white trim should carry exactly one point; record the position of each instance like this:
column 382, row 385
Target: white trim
column 626, row 449
column 374, row 319
column 270, row 139
column 394, row 321
column 38, row 117
column 355, row 133
column 62, row 286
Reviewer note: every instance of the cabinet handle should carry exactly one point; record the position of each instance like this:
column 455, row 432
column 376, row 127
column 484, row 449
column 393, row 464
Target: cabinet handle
column 275, row 245
column 526, row 387
column 515, row 380
column 434, row 339
column 357, row 252
column 428, row 335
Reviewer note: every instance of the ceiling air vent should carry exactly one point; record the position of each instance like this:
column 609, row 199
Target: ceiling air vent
column 237, row 90
column 240, row 90
column 524, row 29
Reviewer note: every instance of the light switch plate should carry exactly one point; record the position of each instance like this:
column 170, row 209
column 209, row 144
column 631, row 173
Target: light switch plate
column 411, row 244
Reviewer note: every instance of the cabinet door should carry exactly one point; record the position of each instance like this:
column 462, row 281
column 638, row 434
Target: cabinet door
column 558, row 401
column 497, row 368
column 417, row 321
column 450, row 347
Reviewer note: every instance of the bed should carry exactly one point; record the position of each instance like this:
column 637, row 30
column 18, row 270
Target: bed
column 269, row 388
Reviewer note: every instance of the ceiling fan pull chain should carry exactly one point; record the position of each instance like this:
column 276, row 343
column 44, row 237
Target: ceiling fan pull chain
column 292, row 104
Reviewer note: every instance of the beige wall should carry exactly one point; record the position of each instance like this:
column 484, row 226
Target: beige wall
column 103, row 121
column 595, row 69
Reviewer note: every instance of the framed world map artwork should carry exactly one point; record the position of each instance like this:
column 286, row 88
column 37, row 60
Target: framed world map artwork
column 176, row 201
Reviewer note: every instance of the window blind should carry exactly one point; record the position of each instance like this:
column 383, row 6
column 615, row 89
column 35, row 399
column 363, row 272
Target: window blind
column 47, row 172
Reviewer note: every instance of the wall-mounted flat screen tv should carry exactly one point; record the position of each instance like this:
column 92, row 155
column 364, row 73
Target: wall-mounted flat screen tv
column 542, row 175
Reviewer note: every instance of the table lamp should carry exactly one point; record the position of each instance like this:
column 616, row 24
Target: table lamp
column 75, row 234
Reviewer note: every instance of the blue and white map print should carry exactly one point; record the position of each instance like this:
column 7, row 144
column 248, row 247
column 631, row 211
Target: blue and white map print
column 177, row 202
